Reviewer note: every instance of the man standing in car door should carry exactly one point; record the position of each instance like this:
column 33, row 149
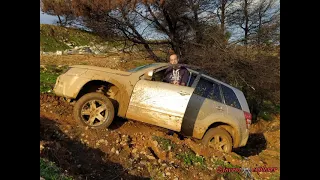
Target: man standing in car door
column 176, row 74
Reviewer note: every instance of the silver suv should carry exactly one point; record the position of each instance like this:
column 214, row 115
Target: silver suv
column 205, row 109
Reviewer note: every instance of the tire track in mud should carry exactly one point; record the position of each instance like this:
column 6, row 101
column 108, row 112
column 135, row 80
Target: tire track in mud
column 125, row 150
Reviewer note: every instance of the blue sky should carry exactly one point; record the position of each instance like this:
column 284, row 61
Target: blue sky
column 47, row 19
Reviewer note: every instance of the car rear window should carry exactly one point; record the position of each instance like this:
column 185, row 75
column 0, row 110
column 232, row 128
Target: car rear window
column 141, row 67
column 230, row 97
column 208, row 89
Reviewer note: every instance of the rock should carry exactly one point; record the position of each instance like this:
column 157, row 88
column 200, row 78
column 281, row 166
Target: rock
column 155, row 143
column 113, row 150
column 85, row 50
column 117, row 152
column 79, row 165
column 59, row 53
column 113, row 50
column 123, row 60
column 41, row 147
column 168, row 173
column 41, row 178
column 159, row 152
column 72, row 51
column 134, row 150
column 106, row 142
column 150, row 157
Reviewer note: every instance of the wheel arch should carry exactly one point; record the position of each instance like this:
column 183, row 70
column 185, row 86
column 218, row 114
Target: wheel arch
column 234, row 133
column 112, row 89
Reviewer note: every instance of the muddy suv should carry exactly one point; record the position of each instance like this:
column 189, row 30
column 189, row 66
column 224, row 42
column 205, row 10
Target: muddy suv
column 205, row 109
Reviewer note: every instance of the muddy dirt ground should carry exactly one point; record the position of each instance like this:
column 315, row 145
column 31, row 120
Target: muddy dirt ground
column 127, row 150
column 133, row 150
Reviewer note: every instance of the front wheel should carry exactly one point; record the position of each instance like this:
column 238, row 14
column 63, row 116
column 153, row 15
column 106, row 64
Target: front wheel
column 219, row 139
column 94, row 110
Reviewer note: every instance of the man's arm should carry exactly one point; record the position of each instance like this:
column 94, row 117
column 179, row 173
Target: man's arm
column 185, row 77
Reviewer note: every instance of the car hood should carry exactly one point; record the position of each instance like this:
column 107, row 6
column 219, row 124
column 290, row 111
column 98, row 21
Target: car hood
column 107, row 70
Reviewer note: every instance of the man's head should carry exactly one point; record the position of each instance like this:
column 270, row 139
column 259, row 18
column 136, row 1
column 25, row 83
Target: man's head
column 174, row 59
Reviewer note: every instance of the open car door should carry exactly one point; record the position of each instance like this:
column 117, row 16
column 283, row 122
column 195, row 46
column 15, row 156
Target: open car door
column 158, row 103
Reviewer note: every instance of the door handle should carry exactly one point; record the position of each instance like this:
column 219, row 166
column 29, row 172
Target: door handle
column 183, row 93
column 219, row 108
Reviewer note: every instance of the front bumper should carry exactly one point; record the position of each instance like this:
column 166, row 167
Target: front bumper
column 69, row 85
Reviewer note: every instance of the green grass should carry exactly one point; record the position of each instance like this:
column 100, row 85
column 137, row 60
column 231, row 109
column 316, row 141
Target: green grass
column 237, row 157
column 54, row 38
column 49, row 171
column 265, row 115
column 219, row 162
column 155, row 173
column 275, row 176
column 48, row 76
column 269, row 110
column 139, row 63
column 229, row 175
column 190, row 158
column 164, row 143
column 51, row 44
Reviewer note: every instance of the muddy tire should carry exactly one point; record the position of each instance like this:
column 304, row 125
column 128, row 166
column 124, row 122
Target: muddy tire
column 218, row 138
column 94, row 110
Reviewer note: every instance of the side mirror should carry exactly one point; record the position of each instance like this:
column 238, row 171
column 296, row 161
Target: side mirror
column 148, row 75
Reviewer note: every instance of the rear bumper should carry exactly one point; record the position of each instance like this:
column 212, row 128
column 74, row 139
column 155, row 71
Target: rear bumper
column 244, row 139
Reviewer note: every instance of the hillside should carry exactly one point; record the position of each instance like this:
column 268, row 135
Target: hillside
column 53, row 38
column 56, row 40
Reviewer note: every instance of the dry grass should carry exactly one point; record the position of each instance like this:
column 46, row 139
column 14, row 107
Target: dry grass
column 115, row 61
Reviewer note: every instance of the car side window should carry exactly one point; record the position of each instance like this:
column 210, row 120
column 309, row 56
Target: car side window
column 192, row 78
column 230, row 97
column 159, row 75
column 208, row 89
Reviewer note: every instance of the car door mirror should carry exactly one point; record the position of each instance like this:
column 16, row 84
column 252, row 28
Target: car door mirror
column 148, row 75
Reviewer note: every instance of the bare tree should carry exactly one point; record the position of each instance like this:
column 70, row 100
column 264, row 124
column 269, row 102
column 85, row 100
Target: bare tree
column 251, row 16
column 60, row 8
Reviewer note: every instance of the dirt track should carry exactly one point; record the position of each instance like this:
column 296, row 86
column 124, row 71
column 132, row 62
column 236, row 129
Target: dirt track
column 127, row 149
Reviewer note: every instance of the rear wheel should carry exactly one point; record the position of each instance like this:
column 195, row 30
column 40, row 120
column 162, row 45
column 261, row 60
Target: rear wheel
column 218, row 138
column 94, row 110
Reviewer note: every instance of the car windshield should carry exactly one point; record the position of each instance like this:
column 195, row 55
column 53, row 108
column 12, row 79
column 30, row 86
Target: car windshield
column 141, row 67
